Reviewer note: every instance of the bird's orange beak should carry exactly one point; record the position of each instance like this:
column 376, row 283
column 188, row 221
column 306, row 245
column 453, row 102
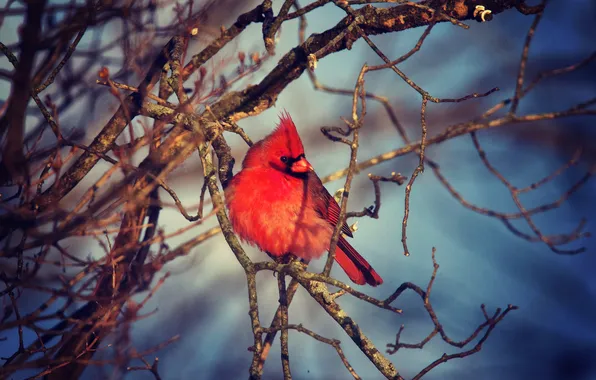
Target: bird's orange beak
column 301, row 166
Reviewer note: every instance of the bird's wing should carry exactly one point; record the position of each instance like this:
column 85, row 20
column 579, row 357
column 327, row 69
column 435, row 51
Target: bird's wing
column 325, row 204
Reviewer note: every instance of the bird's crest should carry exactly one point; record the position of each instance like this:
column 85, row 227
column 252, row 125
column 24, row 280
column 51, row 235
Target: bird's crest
column 282, row 141
column 286, row 134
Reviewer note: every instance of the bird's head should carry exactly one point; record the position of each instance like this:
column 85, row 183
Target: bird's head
column 281, row 150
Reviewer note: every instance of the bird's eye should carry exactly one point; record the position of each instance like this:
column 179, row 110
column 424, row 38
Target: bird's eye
column 284, row 159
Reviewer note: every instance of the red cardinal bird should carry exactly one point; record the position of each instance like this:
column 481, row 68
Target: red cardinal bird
column 278, row 203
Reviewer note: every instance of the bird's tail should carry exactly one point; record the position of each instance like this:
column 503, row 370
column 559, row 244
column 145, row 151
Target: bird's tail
column 355, row 266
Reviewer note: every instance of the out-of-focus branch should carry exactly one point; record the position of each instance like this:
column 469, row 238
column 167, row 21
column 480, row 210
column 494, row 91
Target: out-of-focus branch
column 486, row 326
column 13, row 159
column 459, row 130
column 515, row 192
column 336, row 344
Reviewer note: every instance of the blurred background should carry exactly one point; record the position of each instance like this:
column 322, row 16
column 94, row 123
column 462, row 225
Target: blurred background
column 551, row 336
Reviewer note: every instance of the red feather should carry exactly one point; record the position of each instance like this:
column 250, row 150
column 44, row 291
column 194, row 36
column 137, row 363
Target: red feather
column 279, row 204
column 355, row 266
